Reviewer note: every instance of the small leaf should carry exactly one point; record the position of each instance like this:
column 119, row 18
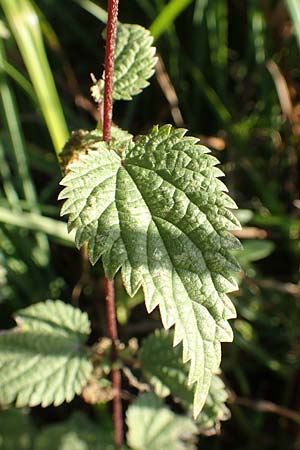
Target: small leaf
column 153, row 426
column 162, row 365
column 159, row 212
column 77, row 433
column 43, row 360
column 134, row 63
column 16, row 430
column 215, row 409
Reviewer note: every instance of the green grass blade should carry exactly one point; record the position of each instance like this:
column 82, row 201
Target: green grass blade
column 199, row 10
column 217, row 25
column 211, row 96
column 294, row 10
column 93, row 9
column 147, row 7
column 11, row 120
column 25, row 26
column 6, row 176
column 167, row 16
column 20, row 80
column 32, row 221
column 258, row 31
column 45, row 209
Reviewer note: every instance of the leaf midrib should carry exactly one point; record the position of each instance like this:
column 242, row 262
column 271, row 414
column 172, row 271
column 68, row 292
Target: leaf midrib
column 176, row 187
column 209, row 270
column 173, row 269
column 176, row 225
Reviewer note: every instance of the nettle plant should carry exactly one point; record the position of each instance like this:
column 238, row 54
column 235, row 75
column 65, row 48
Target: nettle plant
column 153, row 208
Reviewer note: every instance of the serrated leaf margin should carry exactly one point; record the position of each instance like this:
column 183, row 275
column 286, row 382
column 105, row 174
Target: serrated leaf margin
column 213, row 189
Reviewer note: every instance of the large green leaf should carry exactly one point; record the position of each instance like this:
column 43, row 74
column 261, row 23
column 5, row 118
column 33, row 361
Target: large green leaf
column 134, row 63
column 43, row 360
column 159, row 212
column 163, row 367
column 153, row 426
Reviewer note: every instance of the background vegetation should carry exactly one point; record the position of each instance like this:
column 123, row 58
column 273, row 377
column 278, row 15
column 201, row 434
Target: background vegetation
column 229, row 72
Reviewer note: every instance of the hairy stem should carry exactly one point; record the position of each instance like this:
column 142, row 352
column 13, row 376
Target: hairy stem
column 109, row 285
column 116, row 374
column 109, row 66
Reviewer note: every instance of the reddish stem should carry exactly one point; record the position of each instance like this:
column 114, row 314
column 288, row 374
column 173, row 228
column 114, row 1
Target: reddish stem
column 109, row 66
column 116, row 375
column 109, row 285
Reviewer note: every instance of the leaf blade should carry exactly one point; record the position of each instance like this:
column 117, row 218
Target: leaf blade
column 159, row 212
column 152, row 426
column 134, row 63
column 43, row 360
column 163, row 368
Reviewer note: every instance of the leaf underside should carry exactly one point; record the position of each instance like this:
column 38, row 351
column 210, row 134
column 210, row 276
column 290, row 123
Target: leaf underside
column 134, row 63
column 160, row 213
column 43, row 360
column 153, row 426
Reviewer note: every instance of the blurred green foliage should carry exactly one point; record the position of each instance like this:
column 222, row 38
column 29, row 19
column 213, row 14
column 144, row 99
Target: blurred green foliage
column 235, row 69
